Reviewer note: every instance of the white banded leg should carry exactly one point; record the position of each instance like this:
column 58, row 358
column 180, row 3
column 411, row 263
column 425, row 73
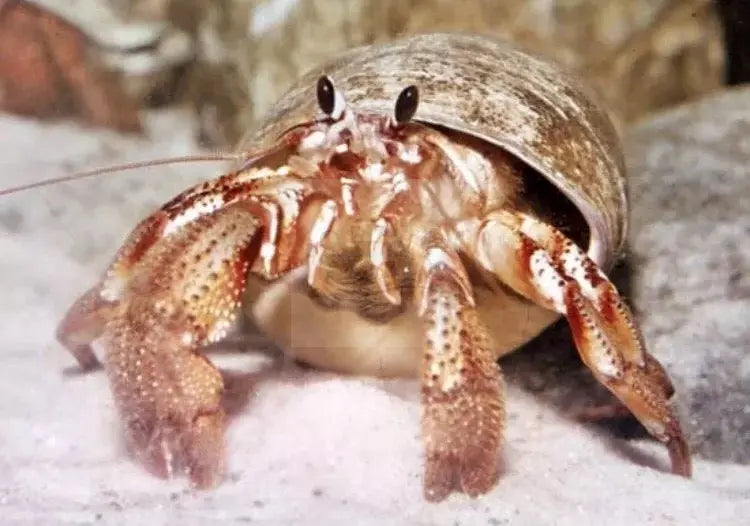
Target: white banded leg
column 542, row 264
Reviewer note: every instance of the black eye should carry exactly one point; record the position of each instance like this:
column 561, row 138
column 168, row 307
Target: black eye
column 406, row 105
column 326, row 95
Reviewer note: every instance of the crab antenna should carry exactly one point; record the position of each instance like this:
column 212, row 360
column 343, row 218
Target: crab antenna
column 123, row 167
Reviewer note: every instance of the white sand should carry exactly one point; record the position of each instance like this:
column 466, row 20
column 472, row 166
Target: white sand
column 305, row 447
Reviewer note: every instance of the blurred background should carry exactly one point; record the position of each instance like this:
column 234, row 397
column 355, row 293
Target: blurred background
column 228, row 60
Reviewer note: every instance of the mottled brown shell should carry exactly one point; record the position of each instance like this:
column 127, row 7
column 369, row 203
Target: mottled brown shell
column 489, row 89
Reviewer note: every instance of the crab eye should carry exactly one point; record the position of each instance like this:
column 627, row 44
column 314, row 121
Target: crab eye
column 326, row 94
column 330, row 100
column 406, row 104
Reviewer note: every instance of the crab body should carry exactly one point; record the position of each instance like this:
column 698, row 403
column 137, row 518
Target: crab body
column 427, row 239
column 388, row 212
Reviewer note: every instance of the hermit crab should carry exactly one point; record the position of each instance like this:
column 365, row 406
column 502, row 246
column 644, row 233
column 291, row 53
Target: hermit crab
column 415, row 208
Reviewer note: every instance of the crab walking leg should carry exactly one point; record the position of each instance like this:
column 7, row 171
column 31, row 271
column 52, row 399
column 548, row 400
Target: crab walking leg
column 83, row 323
column 617, row 319
column 542, row 264
column 463, row 410
column 621, row 328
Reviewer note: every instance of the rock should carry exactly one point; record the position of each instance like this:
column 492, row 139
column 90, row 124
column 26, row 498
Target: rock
column 690, row 239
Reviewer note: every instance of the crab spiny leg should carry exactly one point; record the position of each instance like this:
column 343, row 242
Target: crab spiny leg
column 548, row 269
column 183, row 294
column 463, row 411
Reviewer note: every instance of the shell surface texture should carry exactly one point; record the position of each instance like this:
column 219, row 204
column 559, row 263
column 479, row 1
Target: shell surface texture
column 417, row 208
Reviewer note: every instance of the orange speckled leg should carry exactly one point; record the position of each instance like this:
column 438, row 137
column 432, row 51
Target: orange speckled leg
column 183, row 294
column 542, row 264
column 174, row 287
column 170, row 296
column 463, row 411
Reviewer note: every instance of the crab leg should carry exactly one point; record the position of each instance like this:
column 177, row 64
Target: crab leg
column 378, row 258
column 542, row 264
column 85, row 320
column 183, row 295
column 318, row 233
column 174, row 287
column 463, row 411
